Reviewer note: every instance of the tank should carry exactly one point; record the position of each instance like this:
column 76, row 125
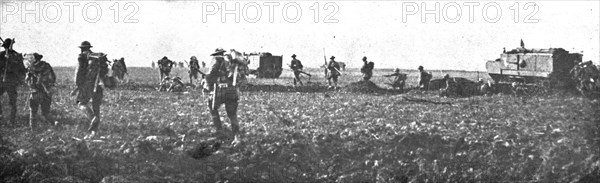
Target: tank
column 265, row 65
column 548, row 66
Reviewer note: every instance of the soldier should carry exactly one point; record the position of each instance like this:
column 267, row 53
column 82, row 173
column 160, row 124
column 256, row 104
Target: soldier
column 119, row 68
column 153, row 65
column 399, row 81
column 91, row 72
column 165, row 65
column 176, row 85
column 452, row 88
column 219, row 82
column 41, row 79
column 297, row 66
column 367, row 69
column 194, row 69
column 424, row 78
column 12, row 73
column 203, row 64
column 485, row 88
column 334, row 70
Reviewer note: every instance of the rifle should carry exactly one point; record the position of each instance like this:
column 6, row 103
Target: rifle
column 235, row 73
column 214, row 97
column 7, row 61
column 325, row 58
column 96, row 82
column 341, row 73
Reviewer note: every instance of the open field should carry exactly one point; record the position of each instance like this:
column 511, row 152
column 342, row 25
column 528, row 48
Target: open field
column 315, row 135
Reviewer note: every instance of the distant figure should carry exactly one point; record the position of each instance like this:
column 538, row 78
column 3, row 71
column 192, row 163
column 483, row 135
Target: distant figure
column 12, row 74
column 334, row 70
column 171, row 85
column 165, row 65
column 203, row 64
column 119, row 68
column 41, row 79
column 181, row 65
column 452, row 88
column 153, row 65
column 296, row 66
column 194, row 69
column 342, row 65
column 424, row 78
column 367, row 69
column 485, row 88
column 399, row 81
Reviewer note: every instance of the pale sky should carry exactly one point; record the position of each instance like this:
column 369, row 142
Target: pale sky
column 364, row 28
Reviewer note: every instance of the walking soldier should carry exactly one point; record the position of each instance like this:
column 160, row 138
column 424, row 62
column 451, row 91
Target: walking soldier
column 296, row 66
column 119, row 68
column 424, row 78
column 220, row 84
column 41, row 79
column 194, row 69
column 165, row 65
column 91, row 73
column 367, row 69
column 11, row 75
column 334, row 70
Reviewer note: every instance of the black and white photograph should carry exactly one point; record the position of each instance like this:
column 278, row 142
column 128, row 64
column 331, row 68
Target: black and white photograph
column 127, row 91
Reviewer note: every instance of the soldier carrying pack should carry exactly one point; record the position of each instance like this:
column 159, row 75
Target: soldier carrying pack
column 41, row 79
column 90, row 76
column 11, row 76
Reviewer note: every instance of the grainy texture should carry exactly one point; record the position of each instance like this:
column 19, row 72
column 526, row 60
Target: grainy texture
column 316, row 135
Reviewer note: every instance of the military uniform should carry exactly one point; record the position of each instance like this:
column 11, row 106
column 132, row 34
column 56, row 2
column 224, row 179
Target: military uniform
column 41, row 79
column 91, row 71
column 452, row 88
column 367, row 69
column 297, row 67
column 424, row 78
column 176, row 85
column 334, row 73
column 165, row 66
column 12, row 73
column 219, row 81
column 194, row 69
column 399, row 80
column 485, row 88
column 171, row 85
column 119, row 68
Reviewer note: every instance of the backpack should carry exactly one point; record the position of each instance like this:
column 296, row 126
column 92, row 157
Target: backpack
column 296, row 64
column 97, row 66
column 426, row 76
column 370, row 66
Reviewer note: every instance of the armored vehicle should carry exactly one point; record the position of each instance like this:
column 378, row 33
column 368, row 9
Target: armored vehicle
column 548, row 66
column 265, row 65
